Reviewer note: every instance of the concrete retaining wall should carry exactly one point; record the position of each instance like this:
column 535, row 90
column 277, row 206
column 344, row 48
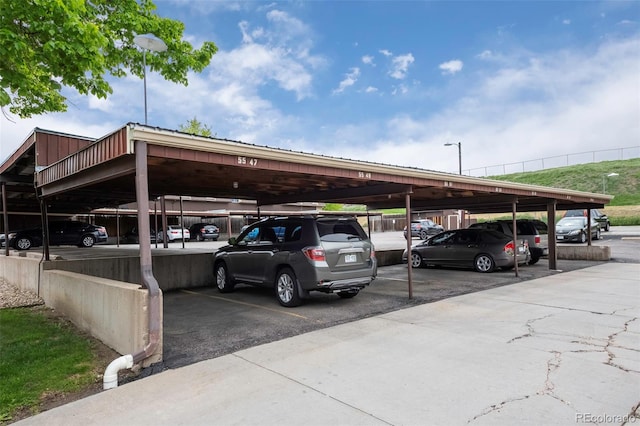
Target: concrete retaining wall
column 112, row 311
column 171, row 271
column 584, row 252
column 389, row 257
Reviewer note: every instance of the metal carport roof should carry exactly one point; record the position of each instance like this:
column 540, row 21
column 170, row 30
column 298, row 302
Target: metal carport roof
column 102, row 174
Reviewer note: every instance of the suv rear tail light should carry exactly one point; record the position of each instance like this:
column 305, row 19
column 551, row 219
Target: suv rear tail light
column 315, row 254
column 537, row 239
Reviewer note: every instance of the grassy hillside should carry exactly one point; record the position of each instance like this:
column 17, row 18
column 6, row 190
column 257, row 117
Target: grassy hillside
column 589, row 177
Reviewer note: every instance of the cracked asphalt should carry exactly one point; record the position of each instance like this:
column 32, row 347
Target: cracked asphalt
column 555, row 350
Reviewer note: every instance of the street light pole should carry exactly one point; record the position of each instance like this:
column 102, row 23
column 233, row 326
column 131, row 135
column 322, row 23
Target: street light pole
column 459, row 144
column 153, row 43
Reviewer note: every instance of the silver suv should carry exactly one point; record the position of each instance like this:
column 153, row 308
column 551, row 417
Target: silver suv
column 527, row 230
column 296, row 255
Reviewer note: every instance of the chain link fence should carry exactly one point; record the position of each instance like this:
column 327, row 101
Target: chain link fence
column 612, row 154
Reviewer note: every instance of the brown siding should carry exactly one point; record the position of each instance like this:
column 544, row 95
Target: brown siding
column 88, row 155
column 51, row 147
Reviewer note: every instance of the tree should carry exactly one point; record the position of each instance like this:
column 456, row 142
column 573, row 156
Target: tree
column 48, row 44
column 194, row 127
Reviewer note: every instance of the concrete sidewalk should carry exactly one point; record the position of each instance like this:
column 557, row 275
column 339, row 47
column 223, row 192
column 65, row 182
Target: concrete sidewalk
column 564, row 349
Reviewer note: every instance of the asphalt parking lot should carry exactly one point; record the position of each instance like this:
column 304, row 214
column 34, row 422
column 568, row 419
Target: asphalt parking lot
column 202, row 323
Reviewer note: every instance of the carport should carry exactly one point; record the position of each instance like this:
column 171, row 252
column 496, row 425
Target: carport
column 138, row 163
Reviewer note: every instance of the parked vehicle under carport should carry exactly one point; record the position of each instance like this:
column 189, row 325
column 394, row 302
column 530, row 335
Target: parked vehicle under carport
column 296, row 255
column 481, row 249
column 64, row 232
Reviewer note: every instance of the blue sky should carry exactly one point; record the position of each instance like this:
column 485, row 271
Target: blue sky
column 392, row 81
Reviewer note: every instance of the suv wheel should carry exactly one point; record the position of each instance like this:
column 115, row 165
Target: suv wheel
column 223, row 280
column 23, row 243
column 533, row 260
column 87, row 241
column 287, row 289
column 423, row 235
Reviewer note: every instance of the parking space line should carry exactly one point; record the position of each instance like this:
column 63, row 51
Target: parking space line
column 280, row 311
column 392, row 279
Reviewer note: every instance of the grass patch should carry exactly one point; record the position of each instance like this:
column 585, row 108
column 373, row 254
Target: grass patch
column 625, row 221
column 39, row 357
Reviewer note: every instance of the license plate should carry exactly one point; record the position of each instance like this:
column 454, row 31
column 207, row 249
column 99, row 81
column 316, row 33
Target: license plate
column 350, row 258
column 560, row 237
column 521, row 249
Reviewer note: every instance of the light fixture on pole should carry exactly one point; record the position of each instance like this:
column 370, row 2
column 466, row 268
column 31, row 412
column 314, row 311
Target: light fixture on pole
column 604, row 181
column 459, row 145
column 153, row 43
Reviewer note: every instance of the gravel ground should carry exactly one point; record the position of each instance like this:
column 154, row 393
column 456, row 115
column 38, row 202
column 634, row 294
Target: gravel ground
column 13, row 297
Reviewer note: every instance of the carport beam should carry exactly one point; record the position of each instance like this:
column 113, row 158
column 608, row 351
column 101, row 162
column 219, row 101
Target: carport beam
column 408, row 213
column 551, row 235
column 515, row 235
column 146, row 272
column 5, row 219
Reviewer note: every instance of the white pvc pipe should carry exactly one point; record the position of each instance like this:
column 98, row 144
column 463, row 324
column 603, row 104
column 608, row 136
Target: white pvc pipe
column 110, row 379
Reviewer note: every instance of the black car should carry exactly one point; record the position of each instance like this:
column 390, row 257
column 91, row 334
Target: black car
column 423, row 228
column 596, row 215
column 67, row 232
column 296, row 255
column 204, row 232
column 574, row 228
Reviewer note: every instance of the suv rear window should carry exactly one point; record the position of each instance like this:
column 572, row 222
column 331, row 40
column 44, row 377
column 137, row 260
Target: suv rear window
column 339, row 230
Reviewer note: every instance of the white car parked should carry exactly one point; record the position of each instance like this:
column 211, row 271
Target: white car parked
column 174, row 233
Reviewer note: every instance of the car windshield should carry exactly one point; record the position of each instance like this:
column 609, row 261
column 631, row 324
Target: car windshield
column 573, row 221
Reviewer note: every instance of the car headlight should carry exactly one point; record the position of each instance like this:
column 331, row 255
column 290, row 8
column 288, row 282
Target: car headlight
column 575, row 232
column 12, row 235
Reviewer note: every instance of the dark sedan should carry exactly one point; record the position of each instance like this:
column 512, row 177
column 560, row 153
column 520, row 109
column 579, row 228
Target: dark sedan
column 574, row 228
column 598, row 216
column 481, row 249
column 423, row 228
column 204, row 232
column 67, row 232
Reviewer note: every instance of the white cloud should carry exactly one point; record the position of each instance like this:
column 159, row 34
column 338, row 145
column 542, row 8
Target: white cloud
column 451, row 67
column 561, row 103
column 371, row 89
column 368, row 60
column 485, row 54
column 385, row 52
column 350, row 79
column 105, row 105
column 400, row 90
column 400, row 66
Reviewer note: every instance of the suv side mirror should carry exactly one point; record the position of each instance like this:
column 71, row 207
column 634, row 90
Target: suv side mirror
column 232, row 241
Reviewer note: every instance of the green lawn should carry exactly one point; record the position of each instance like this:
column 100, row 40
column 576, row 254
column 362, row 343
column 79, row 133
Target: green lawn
column 39, row 356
